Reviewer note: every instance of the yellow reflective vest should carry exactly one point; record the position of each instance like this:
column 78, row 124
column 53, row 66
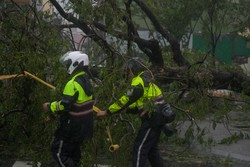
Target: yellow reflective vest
column 150, row 94
column 82, row 103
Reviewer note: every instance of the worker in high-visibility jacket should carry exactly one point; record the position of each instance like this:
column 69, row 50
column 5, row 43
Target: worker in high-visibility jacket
column 75, row 111
column 143, row 98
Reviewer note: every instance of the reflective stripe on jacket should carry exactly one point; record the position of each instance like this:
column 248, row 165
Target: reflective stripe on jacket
column 74, row 99
column 151, row 93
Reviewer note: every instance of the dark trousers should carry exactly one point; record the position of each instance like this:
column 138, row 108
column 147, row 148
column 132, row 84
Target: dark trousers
column 66, row 154
column 146, row 148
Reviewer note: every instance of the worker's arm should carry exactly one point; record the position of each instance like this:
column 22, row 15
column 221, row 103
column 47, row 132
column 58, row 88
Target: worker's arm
column 69, row 97
column 132, row 95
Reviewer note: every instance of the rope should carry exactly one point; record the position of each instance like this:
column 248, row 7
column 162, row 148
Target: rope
column 39, row 80
column 27, row 74
column 109, row 134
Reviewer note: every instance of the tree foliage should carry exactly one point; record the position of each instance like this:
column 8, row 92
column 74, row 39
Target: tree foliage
column 28, row 43
column 33, row 41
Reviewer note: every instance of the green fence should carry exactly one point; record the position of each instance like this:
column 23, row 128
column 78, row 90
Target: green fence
column 229, row 47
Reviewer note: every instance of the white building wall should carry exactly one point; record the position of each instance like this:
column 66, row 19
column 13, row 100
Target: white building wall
column 246, row 67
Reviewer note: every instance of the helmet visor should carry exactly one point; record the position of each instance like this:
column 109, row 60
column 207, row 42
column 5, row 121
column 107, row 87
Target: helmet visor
column 65, row 61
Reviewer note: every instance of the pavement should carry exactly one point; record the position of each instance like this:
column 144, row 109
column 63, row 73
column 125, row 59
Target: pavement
column 236, row 131
column 24, row 164
column 231, row 137
column 239, row 149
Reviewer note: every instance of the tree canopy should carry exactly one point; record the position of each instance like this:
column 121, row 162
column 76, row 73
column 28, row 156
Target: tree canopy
column 32, row 40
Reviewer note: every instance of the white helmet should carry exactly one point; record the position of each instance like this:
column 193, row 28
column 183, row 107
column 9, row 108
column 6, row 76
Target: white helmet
column 72, row 59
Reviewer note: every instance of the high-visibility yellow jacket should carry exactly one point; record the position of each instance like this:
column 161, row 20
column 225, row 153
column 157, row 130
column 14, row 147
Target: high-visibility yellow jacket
column 75, row 109
column 142, row 95
column 77, row 96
